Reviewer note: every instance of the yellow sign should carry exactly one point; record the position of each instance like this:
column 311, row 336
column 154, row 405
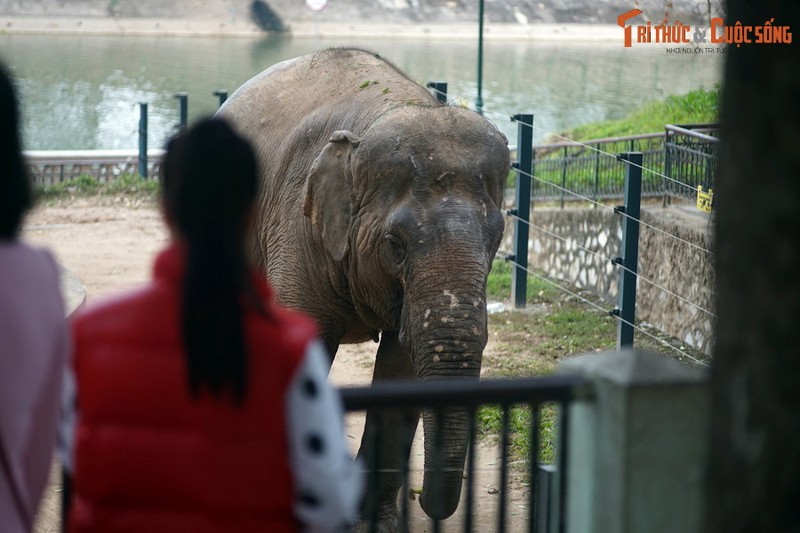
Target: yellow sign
column 705, row 200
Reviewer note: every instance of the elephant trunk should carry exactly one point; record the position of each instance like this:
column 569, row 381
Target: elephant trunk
column 444, row 461
column 448, row 341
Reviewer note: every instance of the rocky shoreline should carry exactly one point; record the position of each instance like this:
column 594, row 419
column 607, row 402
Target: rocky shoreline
column 561, row 32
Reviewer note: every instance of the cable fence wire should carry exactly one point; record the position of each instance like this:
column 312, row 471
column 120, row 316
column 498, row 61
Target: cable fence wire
column 605, row 258
column 598, row 307
column 658, row 286
column 563, row 190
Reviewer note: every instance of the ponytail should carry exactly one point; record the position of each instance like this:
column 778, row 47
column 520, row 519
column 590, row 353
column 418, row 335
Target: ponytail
column 209, row 187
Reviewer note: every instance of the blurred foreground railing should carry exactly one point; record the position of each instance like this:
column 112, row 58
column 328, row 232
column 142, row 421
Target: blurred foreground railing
column 545, row 499
column 630, row 449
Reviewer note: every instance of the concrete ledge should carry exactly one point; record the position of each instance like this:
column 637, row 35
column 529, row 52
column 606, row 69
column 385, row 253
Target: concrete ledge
column 634, row 368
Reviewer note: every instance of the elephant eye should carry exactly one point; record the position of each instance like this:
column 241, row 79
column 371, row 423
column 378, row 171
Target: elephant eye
column 397, row 250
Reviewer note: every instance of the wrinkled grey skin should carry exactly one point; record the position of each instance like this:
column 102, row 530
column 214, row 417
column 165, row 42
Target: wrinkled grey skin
column 380, row 218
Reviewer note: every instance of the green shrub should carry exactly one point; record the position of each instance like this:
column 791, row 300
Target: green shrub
column 695, row 107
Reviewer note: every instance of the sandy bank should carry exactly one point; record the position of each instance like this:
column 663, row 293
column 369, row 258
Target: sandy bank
column 199, row 27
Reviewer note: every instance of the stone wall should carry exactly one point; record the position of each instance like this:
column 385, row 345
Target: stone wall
column 668, row 261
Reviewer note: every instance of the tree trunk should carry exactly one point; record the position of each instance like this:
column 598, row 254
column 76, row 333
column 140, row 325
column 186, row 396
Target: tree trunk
column 753, row 479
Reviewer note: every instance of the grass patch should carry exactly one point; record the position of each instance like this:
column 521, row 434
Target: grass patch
column 127, row 185
column 490, row 422
column 695, row 107
column 498, row 285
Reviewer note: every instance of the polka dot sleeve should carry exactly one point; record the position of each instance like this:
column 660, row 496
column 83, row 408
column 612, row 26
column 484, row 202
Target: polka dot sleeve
column 328, row 483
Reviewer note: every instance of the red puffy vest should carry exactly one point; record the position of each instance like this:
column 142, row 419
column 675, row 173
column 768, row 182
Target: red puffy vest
column 148, row 456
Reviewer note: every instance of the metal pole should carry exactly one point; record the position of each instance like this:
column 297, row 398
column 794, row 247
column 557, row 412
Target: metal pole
column 667, row 165
column 596, row 177
column 183, row 106
column 222, row 95
column 439, row 90
column 143, row 139
column 524, row 167
column 630, row 248
column 479, row 99
column 564, row 163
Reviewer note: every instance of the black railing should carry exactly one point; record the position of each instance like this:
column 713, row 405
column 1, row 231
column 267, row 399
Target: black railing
column 589, row 169
column 676, row 162
column 690, row 155
column 59, row 166
column 546, row 496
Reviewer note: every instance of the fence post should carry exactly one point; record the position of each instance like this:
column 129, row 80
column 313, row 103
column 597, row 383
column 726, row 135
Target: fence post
column 596, row 177
column 667, row 165
column 183, row 111
column 222, row 95
column 439, row 90
column 564, row 175
column 524, row 168
column 143, row 139
column 626, row 311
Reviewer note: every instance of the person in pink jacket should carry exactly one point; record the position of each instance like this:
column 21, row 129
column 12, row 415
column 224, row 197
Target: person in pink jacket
column 202, row 405
column 33, row 338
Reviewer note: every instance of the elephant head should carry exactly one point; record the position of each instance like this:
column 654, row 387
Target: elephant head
column 410, row 208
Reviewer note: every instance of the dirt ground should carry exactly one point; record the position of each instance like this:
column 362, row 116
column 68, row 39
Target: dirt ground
column 109, row 244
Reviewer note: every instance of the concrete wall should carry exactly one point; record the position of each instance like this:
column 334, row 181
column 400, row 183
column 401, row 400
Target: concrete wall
column 671, row 263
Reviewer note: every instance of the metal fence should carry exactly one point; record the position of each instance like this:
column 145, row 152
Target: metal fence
column 52, row 167
column 677, row 162
column 586, row 169
column 546, row 490
column 690, row 155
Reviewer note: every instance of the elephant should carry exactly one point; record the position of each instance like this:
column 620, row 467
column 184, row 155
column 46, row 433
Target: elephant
column 380, row 215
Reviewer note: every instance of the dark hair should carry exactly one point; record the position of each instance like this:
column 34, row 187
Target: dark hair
column 209, row 185
column 15, row 188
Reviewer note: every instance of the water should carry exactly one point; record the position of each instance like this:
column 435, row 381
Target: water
column 82, row 92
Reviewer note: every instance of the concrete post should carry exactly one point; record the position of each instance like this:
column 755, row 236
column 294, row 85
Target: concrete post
column 638, row 448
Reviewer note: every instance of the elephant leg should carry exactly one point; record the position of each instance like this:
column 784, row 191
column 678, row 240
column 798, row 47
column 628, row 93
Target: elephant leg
column 386, row 442
column 331, row 346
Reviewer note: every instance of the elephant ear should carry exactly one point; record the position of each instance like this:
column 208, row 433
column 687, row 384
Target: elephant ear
column 328, row 193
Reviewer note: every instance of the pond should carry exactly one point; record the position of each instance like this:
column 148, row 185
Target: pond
column 83, row 92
